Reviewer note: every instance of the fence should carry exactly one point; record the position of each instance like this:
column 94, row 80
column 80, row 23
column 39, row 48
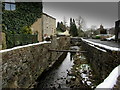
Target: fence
column 13, row 40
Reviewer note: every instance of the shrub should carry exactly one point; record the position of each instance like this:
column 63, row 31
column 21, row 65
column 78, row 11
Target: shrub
column 13, row 40
column 26, row 30
column 97, row 37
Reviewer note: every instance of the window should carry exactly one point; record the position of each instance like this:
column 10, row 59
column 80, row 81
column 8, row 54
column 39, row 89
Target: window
column 10, row 5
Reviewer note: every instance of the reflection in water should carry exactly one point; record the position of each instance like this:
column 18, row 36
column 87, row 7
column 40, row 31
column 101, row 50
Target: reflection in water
column 58, row 76
column 73, row 68
column 71, row 56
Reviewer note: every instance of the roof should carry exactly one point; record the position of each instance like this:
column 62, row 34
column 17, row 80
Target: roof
column 49, row 16
column 9, row 2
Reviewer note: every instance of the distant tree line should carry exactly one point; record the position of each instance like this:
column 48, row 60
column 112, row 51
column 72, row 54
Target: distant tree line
column 61, row 27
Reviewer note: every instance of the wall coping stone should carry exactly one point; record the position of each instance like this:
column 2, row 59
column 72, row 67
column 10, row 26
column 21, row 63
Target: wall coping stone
column 18, row 47
column 101, row 45
column 111, row 80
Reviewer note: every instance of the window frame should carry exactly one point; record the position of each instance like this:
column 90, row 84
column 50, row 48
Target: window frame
column 10, row 6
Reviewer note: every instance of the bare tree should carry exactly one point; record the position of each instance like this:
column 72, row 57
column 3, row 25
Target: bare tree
column 80, row 22
column 81, row 25
column 93, row 27
column 64, row 21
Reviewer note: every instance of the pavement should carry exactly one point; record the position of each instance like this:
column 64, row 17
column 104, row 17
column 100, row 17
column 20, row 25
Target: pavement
column 108, row 43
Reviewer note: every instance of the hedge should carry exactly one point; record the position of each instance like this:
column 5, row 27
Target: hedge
column 13, row 40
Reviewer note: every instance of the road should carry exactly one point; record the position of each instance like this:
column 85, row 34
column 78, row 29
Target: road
column 108, row 43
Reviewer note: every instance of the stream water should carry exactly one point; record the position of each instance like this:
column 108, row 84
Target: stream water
column 73, row 72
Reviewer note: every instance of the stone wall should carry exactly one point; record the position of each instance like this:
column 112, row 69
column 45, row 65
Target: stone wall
column 102, row 61
column 37, row 28
column 22, row 66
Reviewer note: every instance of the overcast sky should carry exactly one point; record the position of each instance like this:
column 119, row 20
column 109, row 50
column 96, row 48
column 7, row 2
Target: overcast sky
column 94, row 13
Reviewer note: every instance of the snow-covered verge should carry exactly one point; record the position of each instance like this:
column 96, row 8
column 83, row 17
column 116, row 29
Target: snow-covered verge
column 97, row 48
column 111, row 80
column 102, row 45
column 111, row 38
column 18, row 47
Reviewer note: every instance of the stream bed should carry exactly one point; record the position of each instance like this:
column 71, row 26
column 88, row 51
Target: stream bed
column 72, row 72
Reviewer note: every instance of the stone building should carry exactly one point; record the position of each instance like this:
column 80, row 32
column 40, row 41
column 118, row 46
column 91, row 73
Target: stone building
column 111, row 31
column 44, row 26
column 119, row 10
column 49, row 25
column 117, row 25
column 117, row 30
column 39, row 22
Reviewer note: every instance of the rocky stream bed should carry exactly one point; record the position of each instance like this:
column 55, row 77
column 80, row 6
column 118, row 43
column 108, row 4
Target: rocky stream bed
column 73, row 72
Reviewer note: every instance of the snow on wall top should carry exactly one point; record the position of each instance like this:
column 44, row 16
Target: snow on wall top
column 111, row 80
column 102, row 45
column 18, row 47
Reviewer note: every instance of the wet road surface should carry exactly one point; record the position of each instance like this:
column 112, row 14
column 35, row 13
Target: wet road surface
column 108, row 43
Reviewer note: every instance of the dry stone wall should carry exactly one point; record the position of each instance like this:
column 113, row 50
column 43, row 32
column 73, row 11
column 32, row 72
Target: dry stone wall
column 101, row 62
column 21, row 67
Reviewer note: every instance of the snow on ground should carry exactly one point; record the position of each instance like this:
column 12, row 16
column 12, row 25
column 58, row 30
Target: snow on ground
column 111, row 80
column 102, row 45
column 18, row 47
